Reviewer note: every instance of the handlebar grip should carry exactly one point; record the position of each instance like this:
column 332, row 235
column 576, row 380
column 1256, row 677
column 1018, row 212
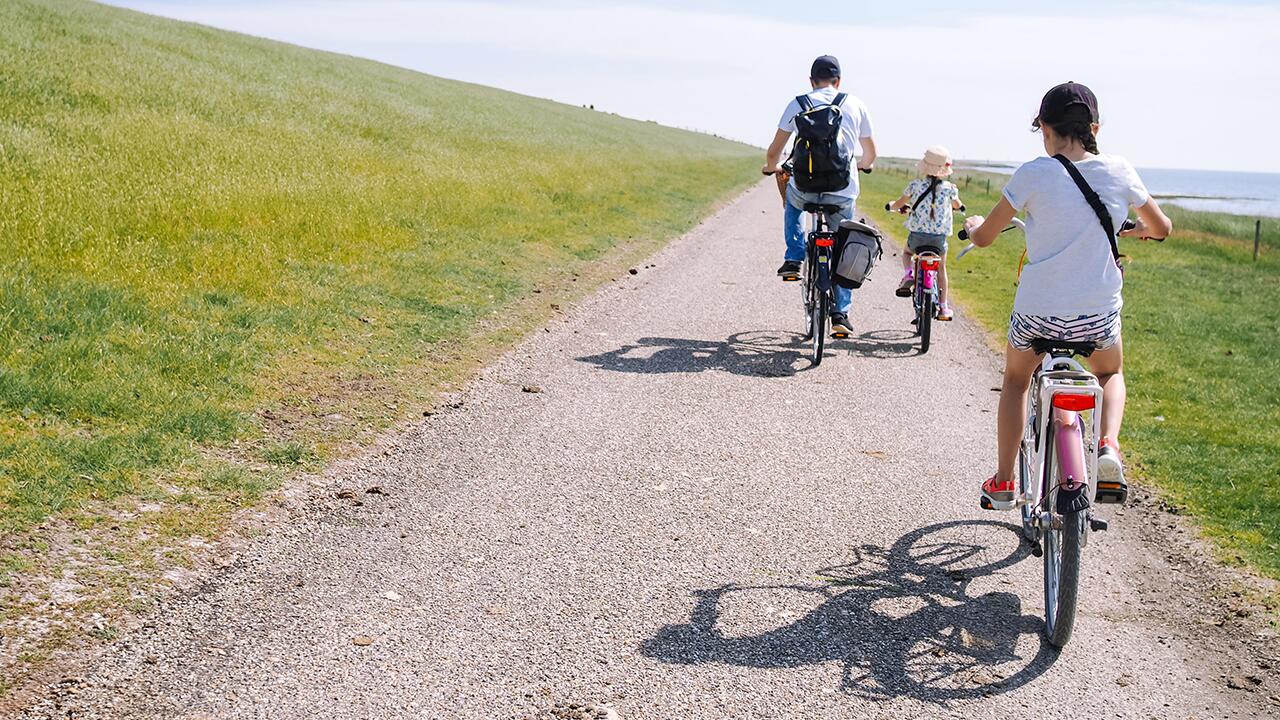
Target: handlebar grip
column 1127, row 225
column 865, row 170
column 963, row 235
column 962, row 209
column 888, row 206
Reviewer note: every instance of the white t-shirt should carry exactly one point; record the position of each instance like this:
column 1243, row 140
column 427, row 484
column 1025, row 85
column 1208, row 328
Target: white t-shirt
column 1069, row 269
column 855, row 123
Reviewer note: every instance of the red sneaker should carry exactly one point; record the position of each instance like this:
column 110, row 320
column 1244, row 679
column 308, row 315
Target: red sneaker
column 997, row 494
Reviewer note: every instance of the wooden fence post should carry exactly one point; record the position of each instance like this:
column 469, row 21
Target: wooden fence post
column 1257, row 238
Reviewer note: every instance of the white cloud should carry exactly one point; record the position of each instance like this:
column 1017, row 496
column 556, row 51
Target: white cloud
column 1184, row 86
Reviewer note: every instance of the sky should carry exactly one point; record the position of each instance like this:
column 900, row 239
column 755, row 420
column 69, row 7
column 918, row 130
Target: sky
column 1180, row 84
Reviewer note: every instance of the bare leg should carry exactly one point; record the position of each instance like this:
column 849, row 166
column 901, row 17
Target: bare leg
column 1108, row 365
column 942, row 282
column 1019, row 365
column 906, row 259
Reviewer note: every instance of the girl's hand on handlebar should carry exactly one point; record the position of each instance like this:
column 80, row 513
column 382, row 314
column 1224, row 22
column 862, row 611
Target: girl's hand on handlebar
column 1136, row 229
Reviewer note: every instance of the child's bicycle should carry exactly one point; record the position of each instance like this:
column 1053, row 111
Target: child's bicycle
column 1057, row 471
column 926, row 264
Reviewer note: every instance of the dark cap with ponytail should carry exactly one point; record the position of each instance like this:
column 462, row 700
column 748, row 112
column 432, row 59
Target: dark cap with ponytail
column 1070, row 109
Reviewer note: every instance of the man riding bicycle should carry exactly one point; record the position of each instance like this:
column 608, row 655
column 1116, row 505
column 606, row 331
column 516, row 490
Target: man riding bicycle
column 854, row 130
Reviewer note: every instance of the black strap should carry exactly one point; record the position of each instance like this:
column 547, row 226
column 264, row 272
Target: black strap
column 1095, row 202
column 931, row 190
column 804, row 102
column 839, row 99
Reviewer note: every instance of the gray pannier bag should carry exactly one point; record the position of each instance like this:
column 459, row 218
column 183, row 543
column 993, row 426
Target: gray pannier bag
column 857, row 250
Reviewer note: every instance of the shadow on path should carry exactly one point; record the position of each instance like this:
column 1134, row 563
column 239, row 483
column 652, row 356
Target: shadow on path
column 900, row 621
column 759, row 353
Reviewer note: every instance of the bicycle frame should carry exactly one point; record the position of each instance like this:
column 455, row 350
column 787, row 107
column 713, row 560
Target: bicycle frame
column 1067, row 389
column 926, row 266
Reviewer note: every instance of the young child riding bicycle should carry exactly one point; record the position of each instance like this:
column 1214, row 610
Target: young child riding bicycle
column 1070, row 286
column 854, row 130
column 931, row 199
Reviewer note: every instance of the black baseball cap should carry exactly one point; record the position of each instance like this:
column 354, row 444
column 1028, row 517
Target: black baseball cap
column 825, row 68
column 1060, row 98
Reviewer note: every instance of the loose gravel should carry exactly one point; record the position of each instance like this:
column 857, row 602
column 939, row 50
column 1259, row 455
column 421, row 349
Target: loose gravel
column 657, row 509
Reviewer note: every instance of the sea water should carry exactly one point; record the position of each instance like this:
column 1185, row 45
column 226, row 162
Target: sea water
column 1238, row 193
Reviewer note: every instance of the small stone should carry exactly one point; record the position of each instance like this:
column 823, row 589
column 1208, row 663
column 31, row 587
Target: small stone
column 391, row 595
column 375, row 490
column 362, row 640
column 345, row 494
column 1239, row 682
column 1124, row 679
column 531, row 389
column 633, row 271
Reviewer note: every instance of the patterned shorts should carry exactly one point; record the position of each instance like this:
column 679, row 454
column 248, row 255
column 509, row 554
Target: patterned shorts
column 1102, row 329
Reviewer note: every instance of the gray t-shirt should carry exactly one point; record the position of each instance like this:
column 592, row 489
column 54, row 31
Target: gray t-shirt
column 855, row 123
column 1069, row 269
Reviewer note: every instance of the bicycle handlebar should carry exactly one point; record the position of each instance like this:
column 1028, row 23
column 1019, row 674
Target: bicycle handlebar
column 1129, row 225
column 1014, row 223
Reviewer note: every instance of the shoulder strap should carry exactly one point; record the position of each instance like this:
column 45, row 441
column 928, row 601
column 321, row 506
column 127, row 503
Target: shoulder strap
column 804, row 102
column 839, row 99
column 932, row 189
column 1095, row 202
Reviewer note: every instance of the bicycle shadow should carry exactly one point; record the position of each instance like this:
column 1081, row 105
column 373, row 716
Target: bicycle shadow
column 759, row 353
column 881, row 344
column 900, row 621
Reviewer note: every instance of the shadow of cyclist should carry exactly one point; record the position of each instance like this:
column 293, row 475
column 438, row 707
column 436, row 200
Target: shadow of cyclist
column 901, row 621
column 758, row 353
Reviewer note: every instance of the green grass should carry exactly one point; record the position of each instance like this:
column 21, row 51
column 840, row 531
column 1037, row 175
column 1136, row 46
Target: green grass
column 1202, row 347
column 199, row 225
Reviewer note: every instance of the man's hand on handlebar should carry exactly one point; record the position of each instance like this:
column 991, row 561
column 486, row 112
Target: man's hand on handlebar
column 772, row 170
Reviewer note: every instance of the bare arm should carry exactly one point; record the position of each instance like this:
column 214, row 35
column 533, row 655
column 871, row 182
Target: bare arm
column 983, row 231
column 773, row 155
column 868, row 159
column 1152, row 222
column 906, row 198
column 955, row 202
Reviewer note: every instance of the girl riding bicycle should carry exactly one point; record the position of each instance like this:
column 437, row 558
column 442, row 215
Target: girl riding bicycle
column 929, row 221
column 1070, row 286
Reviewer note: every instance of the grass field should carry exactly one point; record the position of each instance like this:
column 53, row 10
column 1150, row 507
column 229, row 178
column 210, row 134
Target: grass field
column 221, row 253
column 1202, row 358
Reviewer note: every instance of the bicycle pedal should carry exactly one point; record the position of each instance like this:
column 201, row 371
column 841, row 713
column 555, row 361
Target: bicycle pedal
column 1111, row 493
column 1037, row 550
column 839, row 335
column 1098, row 524
column 791, row 278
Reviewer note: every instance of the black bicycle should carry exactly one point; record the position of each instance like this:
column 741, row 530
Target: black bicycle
column 818, row 290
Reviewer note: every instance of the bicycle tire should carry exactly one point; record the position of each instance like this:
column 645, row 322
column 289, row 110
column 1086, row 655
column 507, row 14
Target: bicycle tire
column 925, row 326
column 818, row 327
column 1061, row 559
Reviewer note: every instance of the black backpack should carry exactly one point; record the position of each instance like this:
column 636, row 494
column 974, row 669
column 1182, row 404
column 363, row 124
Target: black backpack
column 820, row 162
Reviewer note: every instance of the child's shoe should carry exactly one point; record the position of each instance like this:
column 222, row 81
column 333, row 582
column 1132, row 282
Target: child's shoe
column 997, row 495
column 944, row 312
column 907, row 285
column 1111, row 485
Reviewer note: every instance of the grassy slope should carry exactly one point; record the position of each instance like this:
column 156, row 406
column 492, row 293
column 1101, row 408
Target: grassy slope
column 1202, row 358
column 198, row 225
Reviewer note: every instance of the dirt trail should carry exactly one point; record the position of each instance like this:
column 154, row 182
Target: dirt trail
column 657, row 507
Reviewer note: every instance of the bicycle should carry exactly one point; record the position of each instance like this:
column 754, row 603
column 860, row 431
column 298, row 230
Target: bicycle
column 1059, row 453
column 818, row 291
column 926, row 265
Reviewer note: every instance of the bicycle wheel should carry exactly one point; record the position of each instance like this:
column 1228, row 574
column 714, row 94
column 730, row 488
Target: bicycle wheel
column 1062, row 547
column 925, row 326
column 818, row 326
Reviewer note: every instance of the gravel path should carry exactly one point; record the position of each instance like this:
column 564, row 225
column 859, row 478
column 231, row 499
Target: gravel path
column 657, row 510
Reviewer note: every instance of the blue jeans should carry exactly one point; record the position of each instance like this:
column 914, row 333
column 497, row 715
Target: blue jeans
column 793, row 228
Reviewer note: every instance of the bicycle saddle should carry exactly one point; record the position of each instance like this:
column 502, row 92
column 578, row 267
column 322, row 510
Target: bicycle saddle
column 819, row 207
column 1059, row 348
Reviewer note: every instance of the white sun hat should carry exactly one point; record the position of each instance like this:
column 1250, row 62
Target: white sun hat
column 936, row 162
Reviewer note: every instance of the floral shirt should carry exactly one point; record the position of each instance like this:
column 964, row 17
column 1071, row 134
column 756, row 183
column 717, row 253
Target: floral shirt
column 933, row 216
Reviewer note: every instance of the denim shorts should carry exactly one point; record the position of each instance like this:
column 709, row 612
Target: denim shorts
column 917, row 240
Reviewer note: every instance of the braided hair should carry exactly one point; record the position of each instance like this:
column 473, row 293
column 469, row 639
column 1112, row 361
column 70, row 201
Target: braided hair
column 1077, row 125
